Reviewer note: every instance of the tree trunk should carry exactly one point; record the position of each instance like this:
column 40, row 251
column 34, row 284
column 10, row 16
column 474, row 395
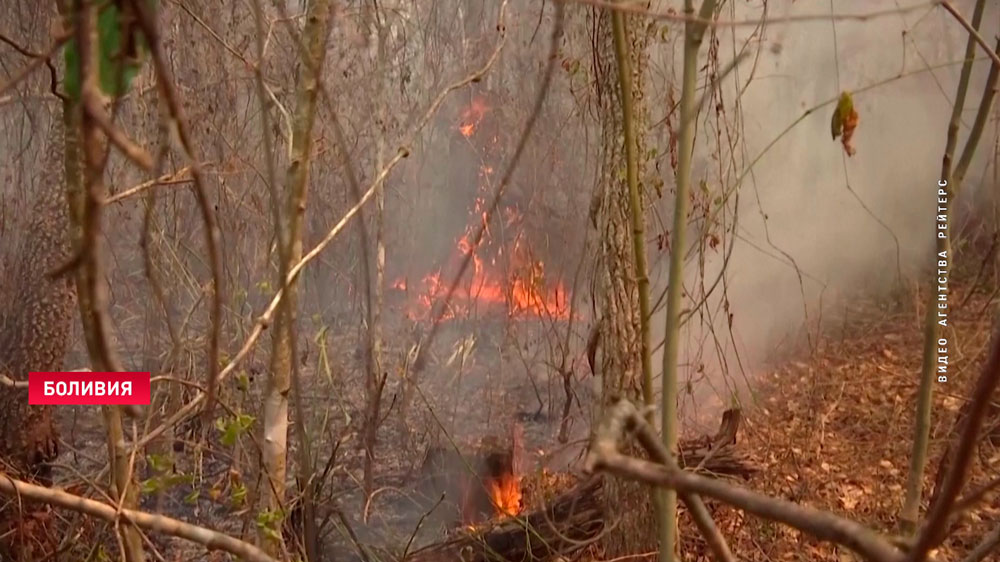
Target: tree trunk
column 36, row 315
column 36, row 319
column 616, row 290
column 275, row 443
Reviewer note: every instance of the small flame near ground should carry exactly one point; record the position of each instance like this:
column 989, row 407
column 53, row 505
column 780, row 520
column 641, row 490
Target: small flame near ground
column 505, row 493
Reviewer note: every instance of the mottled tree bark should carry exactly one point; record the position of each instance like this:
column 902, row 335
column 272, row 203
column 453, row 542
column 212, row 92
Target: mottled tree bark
column 615, row 286
column 35, row 319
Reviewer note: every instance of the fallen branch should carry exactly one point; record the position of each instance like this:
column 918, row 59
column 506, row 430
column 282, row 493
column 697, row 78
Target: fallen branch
column 658, row 452
column 212, row 540
column 569, row 523
column 989, row 543
column 823, row 525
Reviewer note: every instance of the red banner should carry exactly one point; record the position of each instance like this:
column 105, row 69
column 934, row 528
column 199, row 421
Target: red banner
column 88, row 389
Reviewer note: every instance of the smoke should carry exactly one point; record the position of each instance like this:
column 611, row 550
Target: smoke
column 816, row 226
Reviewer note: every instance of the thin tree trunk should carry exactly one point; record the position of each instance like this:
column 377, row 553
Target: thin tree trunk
column 275, row 442
column 91, row 284
column 693, row 34
column 376, row 375
column 636, row 209
column 942, row 248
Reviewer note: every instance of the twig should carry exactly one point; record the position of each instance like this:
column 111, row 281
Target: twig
column 972, row 31
column 175, row 177
column 213, row 236
column 823, row 525
column 40, row 58
column 132, row 151
column 968, row 501
column 935, row 528
column 640, row 9
column 529, row 126
column 702, row 518
column 212, row 540
column 989, row 543
column 11, row 383
column 419, row 524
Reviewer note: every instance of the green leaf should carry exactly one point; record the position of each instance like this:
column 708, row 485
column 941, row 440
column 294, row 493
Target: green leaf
column 267, row 522
column 159, row 463
column 845, row 105
column 245, row 421
column 192, row 497
column 121, row 49
column 232, row 429
column 175, row 479
column 230, row 435
column 238, row 495
column 152, row 486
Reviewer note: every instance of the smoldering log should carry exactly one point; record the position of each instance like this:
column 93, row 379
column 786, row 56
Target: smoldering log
column 566, row 525
column 576, row 518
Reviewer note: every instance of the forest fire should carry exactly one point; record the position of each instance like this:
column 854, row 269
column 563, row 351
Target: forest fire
column 521, row 293
column 502, row 487
column 503, row 274
column 472, row 116
column 505, row 494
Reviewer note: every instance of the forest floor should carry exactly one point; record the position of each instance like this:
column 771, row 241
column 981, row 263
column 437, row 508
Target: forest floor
column 833, row 430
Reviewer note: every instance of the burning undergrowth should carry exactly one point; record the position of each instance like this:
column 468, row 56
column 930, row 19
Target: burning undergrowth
column 481, row 485
column 507, row 274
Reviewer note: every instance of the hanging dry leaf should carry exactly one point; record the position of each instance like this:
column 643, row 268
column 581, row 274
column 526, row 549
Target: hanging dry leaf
column 844, row 122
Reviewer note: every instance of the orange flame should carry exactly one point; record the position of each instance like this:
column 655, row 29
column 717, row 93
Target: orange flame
column 517, row 283
column 472, row 115
column 505, row 493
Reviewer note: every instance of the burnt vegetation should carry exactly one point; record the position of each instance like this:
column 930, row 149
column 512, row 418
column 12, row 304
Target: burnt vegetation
column 499, row 280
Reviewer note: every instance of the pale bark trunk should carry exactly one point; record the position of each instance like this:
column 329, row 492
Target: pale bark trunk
column 693, row 35
column 375, row 378
column 275, row 443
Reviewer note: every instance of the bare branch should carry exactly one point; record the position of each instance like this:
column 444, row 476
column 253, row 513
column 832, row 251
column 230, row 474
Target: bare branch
column 972, row 31
column 641, row 9
column 40, row 58
column 180, row 176
column 213, row 236
column 823, row 525
column 212, row 540
column 989, row 543
column 529, row 126
column 11, row 383
column 117, row 137
column 935, row 527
